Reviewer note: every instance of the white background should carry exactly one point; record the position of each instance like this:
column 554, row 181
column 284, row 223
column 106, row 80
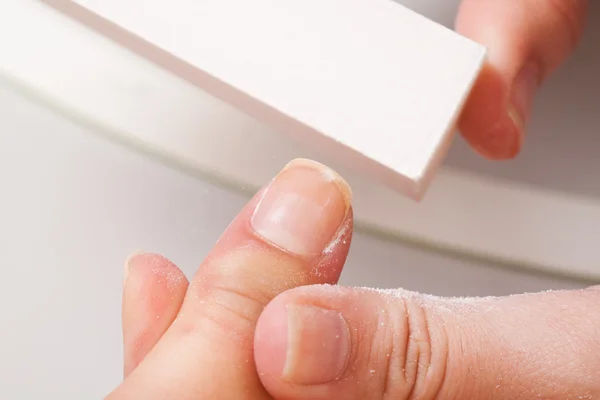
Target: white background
column 74, row 205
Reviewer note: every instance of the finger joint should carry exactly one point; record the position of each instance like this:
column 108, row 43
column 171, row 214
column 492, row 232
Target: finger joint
column 417, row 353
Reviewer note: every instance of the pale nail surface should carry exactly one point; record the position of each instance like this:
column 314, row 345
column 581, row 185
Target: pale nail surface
column 303, row 208
column 523, row 93
column 318, row 345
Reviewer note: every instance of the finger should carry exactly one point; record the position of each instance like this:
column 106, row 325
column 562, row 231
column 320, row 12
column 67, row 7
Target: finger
column 336, row 343
column 526, row 40
column 153, row 292
column 295, row 232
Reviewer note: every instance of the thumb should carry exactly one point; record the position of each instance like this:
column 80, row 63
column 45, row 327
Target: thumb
column 327, row 342
column 295, row 231
column 526, row 40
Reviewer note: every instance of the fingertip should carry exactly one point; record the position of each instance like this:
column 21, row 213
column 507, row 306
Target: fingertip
column 487, row 122
column 296, row 231
column 149, row 271
column 154, row 289
column 303, row 209
column 526, row 41
column 303, row 343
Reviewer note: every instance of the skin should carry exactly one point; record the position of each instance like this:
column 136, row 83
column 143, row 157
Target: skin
column 262, row 320
column 181, row 338
column 258, row 321
column 526, row 40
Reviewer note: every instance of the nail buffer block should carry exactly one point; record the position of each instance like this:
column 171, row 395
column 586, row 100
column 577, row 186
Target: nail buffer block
column 370, row 82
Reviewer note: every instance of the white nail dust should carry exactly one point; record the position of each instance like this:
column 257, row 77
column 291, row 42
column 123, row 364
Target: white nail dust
column 168, row 273
column 339, row 236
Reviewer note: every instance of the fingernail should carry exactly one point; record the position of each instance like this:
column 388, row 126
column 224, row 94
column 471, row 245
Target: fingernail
column 524, row 89
column 126, row 272
column 303, row 208
column 126, row 268
column 318, row 345
column 129, row 263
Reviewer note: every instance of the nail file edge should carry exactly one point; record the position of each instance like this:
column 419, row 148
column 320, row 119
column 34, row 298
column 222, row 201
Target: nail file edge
column 413, row 182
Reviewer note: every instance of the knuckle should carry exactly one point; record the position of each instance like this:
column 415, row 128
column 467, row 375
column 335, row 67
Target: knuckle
column 241, row 305
column 416, row 359
column 226, row 309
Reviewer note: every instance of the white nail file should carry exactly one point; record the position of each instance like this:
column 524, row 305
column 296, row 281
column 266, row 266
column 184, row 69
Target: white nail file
column 370, row 82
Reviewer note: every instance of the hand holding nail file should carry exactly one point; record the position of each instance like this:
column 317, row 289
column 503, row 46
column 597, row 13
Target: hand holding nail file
column 370, row 82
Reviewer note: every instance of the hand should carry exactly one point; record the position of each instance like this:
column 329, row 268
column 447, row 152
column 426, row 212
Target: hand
column 196, row 341
column 526, row 40
column 245, row 329
column 328, row 342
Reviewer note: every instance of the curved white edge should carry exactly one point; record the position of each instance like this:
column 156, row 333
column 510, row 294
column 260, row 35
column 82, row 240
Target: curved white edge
column 422, row 147
column 91, row 77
